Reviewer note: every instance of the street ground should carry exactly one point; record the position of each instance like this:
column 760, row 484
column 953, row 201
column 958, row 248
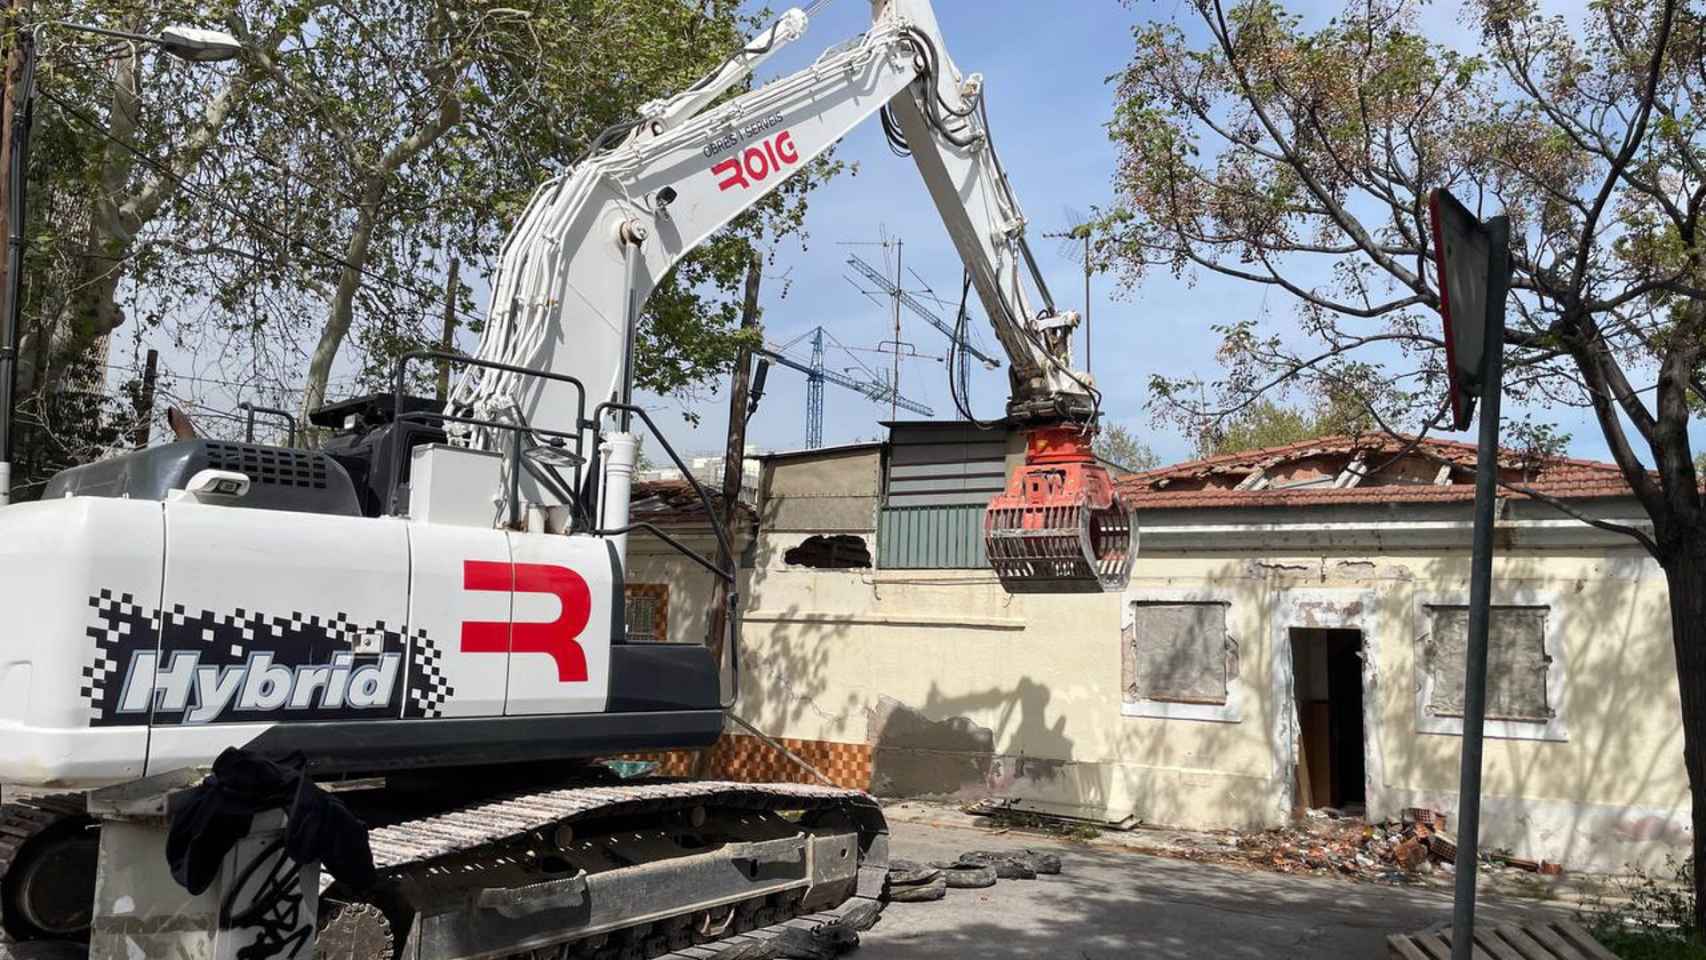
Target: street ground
column 1112, row 902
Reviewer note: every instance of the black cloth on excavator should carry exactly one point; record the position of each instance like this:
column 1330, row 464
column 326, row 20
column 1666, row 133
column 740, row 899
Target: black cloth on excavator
column 207, row 821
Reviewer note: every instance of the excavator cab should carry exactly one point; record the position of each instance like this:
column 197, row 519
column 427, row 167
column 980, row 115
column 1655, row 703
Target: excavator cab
column 1060, row 527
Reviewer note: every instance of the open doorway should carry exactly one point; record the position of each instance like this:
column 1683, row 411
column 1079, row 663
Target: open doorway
column 1327, row 672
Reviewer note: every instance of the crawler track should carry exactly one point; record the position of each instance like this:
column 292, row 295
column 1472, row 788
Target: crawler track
column 688, row 870
column 21, row 822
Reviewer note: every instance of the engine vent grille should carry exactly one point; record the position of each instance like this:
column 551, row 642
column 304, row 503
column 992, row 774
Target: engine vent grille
column 269, row 465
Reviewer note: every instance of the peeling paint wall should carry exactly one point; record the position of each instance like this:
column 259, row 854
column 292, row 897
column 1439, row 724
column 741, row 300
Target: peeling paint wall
column 960, row 689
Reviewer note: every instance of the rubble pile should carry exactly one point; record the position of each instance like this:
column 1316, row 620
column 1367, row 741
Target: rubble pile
column 1405, row 850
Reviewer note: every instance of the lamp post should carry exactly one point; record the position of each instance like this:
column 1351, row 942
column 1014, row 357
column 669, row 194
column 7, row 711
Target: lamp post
column 187, row 43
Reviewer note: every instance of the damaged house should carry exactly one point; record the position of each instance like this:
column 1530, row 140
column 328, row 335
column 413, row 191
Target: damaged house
column 1292, row 637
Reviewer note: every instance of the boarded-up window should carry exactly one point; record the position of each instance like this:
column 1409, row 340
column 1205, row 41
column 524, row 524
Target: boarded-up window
column 1517, row 663
column 1176, row 652
column 647, row 612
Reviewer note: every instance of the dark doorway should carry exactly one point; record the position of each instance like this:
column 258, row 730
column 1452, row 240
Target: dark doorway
column 1327, row 680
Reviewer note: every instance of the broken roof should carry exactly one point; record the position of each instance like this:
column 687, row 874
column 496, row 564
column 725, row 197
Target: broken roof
column 674, row 501
column 1368, row 468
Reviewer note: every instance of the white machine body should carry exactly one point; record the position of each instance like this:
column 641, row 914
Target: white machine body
column 157, row 634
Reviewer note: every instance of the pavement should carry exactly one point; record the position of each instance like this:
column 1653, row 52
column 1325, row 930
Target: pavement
column 1110, row 902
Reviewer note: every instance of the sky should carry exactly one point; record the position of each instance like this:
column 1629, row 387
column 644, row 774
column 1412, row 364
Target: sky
column 1046, row 67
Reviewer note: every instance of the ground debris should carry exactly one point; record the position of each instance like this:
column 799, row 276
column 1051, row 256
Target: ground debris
column 1415, row 848
column 1405, row 850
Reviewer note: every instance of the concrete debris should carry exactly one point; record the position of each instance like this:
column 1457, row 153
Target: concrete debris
column 1411, row 849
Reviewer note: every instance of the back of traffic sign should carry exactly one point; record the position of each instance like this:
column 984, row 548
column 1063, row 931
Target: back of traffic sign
column 1463, row 255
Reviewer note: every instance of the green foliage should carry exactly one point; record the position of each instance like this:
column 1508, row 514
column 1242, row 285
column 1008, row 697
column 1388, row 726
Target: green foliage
column 1116, row 444
column 1653, row 919
column 1299, row 157
column 1265, row 423
column 290, row 216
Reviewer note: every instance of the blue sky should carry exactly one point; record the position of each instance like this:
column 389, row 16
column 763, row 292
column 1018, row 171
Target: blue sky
column 1046, row 67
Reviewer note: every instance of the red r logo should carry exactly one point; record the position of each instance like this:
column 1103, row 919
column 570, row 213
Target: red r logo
column 754, row 164
column 736, row 176
column 556, row 638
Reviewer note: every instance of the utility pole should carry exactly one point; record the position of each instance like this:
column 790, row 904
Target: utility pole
column 16, row 13
column 894, row 401
column 1079, row 230
column 1087, row 367
column 724, row 617
column 145, row 401
column 447, row 339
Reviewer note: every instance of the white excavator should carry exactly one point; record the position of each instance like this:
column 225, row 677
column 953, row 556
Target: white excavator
column 427, row 612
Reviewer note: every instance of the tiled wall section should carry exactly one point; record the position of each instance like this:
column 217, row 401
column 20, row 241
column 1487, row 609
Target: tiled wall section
column 751, row 760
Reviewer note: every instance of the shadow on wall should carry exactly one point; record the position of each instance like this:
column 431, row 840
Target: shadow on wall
column 913, row 755
column 1614, row 792
column 783, row 683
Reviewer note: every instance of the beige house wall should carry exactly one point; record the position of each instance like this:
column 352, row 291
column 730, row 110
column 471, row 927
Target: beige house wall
column 958, row 688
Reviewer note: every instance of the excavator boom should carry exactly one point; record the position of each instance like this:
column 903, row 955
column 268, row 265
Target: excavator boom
column 591, row 246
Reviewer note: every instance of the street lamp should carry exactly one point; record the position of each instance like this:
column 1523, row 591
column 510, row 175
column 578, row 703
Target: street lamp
column 187, row 43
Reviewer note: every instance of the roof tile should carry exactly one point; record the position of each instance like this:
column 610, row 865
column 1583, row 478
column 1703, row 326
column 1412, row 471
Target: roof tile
column 1209, row 482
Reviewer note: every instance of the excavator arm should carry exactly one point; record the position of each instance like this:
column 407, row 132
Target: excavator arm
column 592, row 244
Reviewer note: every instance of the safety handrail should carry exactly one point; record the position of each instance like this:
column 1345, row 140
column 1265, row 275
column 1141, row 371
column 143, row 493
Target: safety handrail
column 249, row 422
column 518, row 431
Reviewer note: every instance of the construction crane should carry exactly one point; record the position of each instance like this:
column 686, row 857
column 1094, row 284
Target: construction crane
column 965, row 349
column 817, row 375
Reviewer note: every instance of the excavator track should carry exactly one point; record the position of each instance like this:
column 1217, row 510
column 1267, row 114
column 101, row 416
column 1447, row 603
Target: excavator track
column 608, row 870
column 22, row 824
column 625, row 869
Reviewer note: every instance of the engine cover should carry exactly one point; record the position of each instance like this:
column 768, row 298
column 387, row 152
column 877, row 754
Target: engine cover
column 147, row 636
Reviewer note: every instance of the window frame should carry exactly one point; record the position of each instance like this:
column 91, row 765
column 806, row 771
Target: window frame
column 1232, row 710
column 1555, row 729
column 659, row 594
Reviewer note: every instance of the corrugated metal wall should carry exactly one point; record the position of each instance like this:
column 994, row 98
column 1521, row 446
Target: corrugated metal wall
column 940, row 479
column 947, row 537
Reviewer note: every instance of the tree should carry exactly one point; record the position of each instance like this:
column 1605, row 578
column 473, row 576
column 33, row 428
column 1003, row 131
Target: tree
column 292, row 216
column 1299, row 159
column 1266, row 423
column 1118, row 445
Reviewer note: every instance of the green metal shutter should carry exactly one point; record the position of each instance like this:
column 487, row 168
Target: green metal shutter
column 946, row 537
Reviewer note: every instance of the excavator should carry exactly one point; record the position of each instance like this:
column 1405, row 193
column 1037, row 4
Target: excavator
column 426, row 610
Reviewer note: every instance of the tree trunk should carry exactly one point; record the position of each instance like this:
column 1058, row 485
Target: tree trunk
column 1685, row 575
column 374, row 190
column 734, row 475
column 447, row 337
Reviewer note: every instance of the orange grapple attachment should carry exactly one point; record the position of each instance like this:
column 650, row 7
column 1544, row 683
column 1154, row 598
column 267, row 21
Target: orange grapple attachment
column 1059, row 527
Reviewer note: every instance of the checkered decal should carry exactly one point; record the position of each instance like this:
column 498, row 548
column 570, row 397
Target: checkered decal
column 121, row 628
column 225, row 642
column 429, row 689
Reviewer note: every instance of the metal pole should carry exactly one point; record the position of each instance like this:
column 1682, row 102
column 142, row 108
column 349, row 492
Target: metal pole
column 632, row 235
column 1087, row 367
column 18, row 153
column 894, row 401
column 1480, row 595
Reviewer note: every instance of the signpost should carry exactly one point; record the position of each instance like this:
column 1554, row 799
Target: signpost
column 1473, row 262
